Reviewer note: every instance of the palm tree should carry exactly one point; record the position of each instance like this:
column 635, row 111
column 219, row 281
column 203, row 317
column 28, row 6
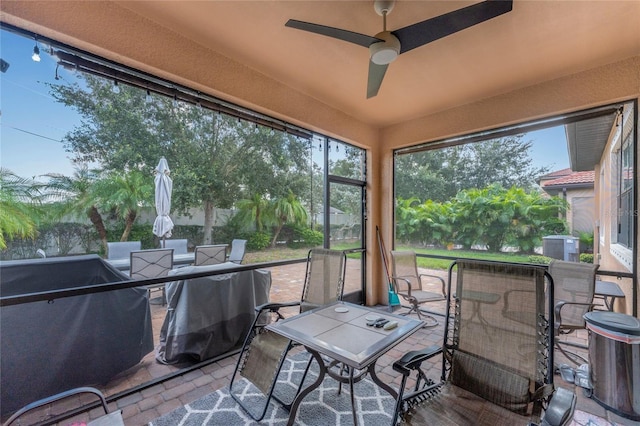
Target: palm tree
column 76, row 195
column 125, row 194
column 252, row 211
column 286, row 210
column 19, row 198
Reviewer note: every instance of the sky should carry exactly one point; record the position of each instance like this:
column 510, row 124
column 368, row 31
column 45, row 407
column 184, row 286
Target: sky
column 33, row 124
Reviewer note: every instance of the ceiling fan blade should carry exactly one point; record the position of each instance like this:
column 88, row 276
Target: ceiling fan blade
column 376, row 74
column 350, row 36
column 441, row 26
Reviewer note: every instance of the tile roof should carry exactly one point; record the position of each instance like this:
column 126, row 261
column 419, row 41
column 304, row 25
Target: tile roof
column 574, row 178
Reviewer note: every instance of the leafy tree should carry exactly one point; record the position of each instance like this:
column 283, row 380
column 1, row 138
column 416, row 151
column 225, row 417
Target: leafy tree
column 75, row 195
column 440, row 174
column 214, row 158
column 285, row 210
column 124, row 194
column 251, row 212
column 19, row 207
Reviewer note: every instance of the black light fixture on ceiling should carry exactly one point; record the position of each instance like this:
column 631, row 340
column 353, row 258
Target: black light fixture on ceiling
column 36, row 52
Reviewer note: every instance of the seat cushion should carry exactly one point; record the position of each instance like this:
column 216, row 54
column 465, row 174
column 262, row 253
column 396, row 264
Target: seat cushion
column 491, row 382
column 426, row 296
column 456, row 406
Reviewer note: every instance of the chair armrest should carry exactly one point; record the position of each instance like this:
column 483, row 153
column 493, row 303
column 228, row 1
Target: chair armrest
column 395, row 286
column 412, row 359
column 560, row 409
column 274, row 307
column 58, row 397
column 558, row 310
column 444, row 286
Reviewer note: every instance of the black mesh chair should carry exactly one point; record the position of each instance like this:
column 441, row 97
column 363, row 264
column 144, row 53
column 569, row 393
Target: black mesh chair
column 263, row 352
column 495, row 370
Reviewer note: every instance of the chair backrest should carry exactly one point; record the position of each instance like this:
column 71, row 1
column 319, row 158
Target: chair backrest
column 237, row 251
column 574, row 282
column 150, row 263
column 324, row 279
column 121, row 250
column 404, row 266
column 210, row 255
column 490, row 353
column 178, row 246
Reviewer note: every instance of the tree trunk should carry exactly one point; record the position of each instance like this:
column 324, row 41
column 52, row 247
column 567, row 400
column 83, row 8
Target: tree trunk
column 275, row 235
column 96, row 219
column 208, row 222
column 128, row 224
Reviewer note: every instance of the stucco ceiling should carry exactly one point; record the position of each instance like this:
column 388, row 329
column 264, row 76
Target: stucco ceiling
column 535, row 42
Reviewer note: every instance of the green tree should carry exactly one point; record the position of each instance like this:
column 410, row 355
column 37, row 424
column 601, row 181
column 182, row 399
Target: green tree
column 19, row 207
column 75, row 195
column 124, row 194
column 252, row 211
column 286, row 210
column 440, row 174
column 215, row 159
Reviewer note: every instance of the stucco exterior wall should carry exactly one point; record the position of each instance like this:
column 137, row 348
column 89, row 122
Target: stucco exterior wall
column 610, row 255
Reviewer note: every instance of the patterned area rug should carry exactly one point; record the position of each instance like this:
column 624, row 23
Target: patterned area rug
column 580, row 418
column 324, row 406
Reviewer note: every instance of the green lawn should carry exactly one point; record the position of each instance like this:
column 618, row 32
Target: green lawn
column 472, row 254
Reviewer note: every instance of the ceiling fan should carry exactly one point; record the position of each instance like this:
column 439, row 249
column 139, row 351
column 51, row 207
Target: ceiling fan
column 385, row 46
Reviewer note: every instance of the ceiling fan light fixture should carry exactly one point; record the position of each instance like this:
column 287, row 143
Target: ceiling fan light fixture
column 385, row 52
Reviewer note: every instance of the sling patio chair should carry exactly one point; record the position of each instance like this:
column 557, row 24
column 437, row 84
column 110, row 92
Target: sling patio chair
column 122, row 249
column 495, row 370
column 412, row 286
column 113, row 418
column 263, row 352
column 210, row 255
column 574, row 284
column 179, row 246
column 238, row 248
column 154, row 263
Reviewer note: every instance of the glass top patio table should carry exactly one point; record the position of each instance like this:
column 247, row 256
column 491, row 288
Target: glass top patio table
column 345, row 336
column 339, row 331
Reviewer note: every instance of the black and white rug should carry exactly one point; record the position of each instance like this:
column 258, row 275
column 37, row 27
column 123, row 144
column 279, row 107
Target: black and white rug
column 323, row 406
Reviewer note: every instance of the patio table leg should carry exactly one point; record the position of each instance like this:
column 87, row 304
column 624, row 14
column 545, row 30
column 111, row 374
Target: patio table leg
column 372, row 372
column 298, row 399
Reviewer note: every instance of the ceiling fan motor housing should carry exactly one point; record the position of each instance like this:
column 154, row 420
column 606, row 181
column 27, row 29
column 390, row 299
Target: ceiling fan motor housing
column 385, row 52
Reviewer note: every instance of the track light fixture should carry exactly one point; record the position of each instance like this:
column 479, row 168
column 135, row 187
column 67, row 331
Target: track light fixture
column 36, row 53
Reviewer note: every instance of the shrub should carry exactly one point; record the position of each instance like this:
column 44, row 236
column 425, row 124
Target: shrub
column 543, row 260
column 586, row 257
column 305, row 237
column 258, row 241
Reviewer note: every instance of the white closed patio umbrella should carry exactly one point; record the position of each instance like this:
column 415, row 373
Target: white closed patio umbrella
column 163, row 224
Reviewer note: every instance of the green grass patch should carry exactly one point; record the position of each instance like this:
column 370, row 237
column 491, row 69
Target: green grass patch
column 466, row 254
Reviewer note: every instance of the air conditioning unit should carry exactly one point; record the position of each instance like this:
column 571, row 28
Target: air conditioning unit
column 563, row 247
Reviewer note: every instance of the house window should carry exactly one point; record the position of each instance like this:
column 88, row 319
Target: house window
column 625, row 193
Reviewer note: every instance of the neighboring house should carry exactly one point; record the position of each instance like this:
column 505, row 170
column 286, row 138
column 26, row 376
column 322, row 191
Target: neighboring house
column 577, row 189
column 606, row 153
